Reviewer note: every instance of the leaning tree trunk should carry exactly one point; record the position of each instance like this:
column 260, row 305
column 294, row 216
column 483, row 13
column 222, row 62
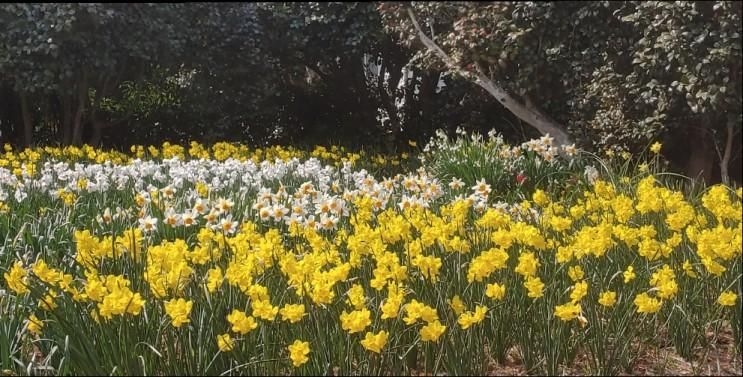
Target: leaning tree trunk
column 530, row 114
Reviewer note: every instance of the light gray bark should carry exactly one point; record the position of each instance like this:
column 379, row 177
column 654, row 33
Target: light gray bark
column 530, row 114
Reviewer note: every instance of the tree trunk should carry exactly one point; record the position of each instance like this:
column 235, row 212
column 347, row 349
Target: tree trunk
column 95, row 121
column 97, row 131
column 8, row 111
column 77, row 123
column 388, row 103
column 66, row 119
column 28, row 126
column 528, row 113
column 725, row 161
column 701, row 155
column 426, row 99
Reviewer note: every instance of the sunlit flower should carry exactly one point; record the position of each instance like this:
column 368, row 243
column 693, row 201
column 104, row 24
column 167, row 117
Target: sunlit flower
column 178, row 310
column 727, row 298
column 148, row 224
column 298, row 352
column 567, row 311
column 481, row 187
column 355, row 321
column 292, row 313
column 629, row 274
column 468, row 318
column 647, row 304
column 225, row 342
column 227, row 225
column 240, row 322
column 456, row 184
column 495, row 291
column 608, row 298
column 432, row 331
column 457, row 305
column 188, row 218
column 375, row 342
column 535, row 287
column 655, row 148
column 17, row 278
column 35, row 325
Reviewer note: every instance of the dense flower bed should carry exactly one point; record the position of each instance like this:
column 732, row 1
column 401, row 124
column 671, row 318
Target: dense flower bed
column 225, row 261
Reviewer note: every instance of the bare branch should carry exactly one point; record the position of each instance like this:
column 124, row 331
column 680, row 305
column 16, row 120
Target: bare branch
column 528, row 113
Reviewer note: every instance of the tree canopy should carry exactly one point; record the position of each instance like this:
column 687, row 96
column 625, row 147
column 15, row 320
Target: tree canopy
column 607, row 75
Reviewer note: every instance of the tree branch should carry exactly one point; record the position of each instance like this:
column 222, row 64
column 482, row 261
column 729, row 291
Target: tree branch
column 529, row 114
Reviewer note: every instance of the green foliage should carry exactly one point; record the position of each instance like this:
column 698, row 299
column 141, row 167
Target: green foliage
column 122, row 54
column 513, row 172
column 142, row 99
column 68, row 50
column 617, row 74
column 97, row 40
column 10, row 331
column 321, row 49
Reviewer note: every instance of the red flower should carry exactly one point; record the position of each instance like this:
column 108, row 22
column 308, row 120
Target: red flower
column 520, row 178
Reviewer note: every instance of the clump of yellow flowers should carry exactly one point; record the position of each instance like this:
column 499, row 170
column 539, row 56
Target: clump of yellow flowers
column 299, row 352
column 289, row 255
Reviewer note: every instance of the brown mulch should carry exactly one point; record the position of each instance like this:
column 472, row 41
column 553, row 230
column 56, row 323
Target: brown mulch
column 721, row 360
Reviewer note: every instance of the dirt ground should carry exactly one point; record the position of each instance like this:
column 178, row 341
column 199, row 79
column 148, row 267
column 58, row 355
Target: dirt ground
column 721, row 360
